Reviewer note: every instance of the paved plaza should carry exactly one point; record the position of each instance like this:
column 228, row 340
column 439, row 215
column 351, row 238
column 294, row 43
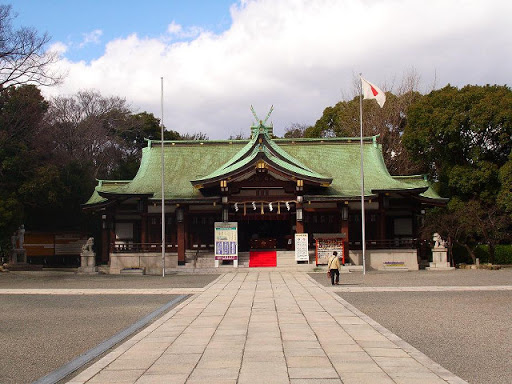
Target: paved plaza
column 263, row 326
column 275, row 327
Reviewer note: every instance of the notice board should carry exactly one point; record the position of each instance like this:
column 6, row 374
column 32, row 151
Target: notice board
column 301, row 247
column 226, row 241
column 326, row 244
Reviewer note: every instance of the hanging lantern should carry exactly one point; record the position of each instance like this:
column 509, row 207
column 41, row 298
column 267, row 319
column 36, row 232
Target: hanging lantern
column 287, row 205
column 262, row 211
column 236, row 207
column 253, row 205
column 278, row 208
column 270, row 208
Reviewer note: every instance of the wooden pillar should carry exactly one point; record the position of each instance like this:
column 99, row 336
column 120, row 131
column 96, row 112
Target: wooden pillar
column 344, row 229
column 299, row 224
column 144, row 222
column 382, row 219
column 112, row 234
column 181, row 243
column 299, row 227
column 182, row 234
column 105, row 239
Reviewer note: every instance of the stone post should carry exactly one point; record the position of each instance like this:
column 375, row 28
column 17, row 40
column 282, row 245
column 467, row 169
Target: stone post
column 439, row 255
column 88, row 258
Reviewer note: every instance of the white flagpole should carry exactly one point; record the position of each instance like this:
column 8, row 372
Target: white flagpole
column 363, row 241
column 163, row 172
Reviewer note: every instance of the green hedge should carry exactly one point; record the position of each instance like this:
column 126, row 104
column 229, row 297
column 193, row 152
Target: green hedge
column 503, row 254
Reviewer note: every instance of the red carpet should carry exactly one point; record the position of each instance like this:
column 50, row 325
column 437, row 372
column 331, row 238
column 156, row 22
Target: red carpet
column 263, row 259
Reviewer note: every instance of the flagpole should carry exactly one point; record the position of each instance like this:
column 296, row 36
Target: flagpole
column 163, row 172
column 363, row 241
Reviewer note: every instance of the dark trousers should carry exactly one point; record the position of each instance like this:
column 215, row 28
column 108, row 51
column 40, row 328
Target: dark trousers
column 337, row 273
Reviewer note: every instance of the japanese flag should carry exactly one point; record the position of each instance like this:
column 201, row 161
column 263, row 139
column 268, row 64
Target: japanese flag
column 371, row 91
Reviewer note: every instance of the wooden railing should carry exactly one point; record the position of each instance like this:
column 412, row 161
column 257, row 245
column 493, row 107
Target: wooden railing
column 386, row 244
column 141, row 247
column 130, row 247
column 157, row 247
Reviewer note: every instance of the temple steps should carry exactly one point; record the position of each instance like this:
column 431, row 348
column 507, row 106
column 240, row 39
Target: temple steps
column 203, row 262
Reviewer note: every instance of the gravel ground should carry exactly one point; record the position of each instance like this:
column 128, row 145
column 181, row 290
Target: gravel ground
column 62, row 279
column 468, row 333
column 40, row 333
column 458, row 277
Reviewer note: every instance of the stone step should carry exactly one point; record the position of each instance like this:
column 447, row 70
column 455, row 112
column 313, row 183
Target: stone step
column 132, row 271
column 23, row 267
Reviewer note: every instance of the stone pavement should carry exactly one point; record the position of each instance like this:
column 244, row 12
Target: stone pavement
column 101, row 291
column 267, row 327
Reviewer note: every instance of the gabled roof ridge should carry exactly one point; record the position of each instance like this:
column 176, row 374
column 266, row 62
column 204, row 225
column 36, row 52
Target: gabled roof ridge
column 405, row 177
column 262, row 143
column 285, row 156
column 349, row 140
column 101, row 181
column 154, row 143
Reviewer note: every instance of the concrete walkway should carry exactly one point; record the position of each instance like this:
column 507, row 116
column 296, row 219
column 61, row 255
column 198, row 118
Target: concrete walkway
column 268, row 327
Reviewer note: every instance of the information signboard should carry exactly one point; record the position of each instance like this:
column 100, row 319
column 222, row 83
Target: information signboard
column 226, row 241
column 301, row 247
column 326, row 244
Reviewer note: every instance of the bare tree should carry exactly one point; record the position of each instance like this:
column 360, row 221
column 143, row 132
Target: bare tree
column 389, row 122
column 194, row 136
column 23, row 55
column 85, row 128
column 295, row 130
column 239, row 136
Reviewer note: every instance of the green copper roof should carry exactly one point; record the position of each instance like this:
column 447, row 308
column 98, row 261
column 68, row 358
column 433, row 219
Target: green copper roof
column 418, row 181
column 262, row 148
column 339, row 158
column 188, row 162
column 184, row 161
column 105, row 186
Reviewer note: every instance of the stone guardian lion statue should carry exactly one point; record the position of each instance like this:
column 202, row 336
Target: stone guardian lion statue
column 438, row 241
column 87, row 247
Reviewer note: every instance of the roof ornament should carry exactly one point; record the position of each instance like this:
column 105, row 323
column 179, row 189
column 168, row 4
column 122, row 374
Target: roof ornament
column 262, row 122
column 268, row 114
column 255, row 115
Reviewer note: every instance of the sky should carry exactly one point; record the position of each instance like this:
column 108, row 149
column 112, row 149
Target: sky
column 219, row 57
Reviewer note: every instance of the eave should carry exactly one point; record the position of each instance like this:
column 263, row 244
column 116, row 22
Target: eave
column 262, row 151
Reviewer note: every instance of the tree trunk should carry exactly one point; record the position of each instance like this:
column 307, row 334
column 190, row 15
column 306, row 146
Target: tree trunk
column 450, row 252
column 492, row 251
column 471, row 253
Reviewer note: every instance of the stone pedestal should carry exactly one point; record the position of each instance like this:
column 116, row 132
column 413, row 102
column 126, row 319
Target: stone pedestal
column 18, row 256
column 88, row 262
column 439, row 260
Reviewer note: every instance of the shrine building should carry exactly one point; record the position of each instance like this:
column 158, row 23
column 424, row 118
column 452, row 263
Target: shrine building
column 269, row 189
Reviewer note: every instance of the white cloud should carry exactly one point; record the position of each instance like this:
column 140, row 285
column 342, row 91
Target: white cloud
column 92, row 37
column 59, row 47
column 299, row 56
column 176, row 30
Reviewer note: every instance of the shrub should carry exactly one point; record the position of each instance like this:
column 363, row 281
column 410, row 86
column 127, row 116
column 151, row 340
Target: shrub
column 502, row 254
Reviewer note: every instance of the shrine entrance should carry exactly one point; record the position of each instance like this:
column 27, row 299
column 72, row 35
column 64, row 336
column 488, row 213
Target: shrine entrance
column 265, row 232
